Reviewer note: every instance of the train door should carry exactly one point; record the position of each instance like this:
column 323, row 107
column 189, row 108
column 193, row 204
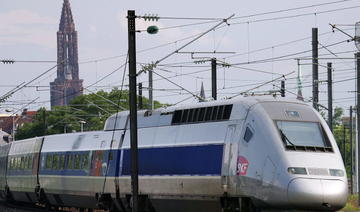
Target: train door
column 229, row 159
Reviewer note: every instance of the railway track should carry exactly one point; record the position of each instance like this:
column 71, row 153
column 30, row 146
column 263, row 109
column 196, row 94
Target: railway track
column 12, row 207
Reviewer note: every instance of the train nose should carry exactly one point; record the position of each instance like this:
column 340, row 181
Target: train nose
column 317, row 193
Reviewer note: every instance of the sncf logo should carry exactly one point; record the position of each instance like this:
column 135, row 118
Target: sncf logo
column 242, row 166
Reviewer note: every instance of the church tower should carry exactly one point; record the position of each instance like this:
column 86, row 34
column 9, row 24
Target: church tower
column 67, row 84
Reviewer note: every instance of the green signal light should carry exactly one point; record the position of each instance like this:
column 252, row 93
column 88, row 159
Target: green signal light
column 152, row 29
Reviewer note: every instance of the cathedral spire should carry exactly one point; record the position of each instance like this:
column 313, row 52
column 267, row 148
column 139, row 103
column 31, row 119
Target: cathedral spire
column 66, row 21
column 67, row 84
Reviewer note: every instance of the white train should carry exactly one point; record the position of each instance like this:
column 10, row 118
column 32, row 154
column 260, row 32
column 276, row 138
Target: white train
column 235, row 155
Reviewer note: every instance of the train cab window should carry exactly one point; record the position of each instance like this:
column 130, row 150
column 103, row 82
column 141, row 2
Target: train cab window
column 248, row 134
column 48, row 164
column 307, row 136
column 62, row 162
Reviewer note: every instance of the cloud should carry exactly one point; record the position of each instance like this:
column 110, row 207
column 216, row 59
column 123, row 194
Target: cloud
column 27, row 27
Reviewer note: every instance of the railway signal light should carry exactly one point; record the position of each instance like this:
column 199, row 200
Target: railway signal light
column 152, row 29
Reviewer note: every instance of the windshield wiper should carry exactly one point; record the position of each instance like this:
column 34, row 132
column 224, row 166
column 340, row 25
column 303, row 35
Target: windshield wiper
column 285, row 139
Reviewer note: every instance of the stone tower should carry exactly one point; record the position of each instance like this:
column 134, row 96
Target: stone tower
column 67, row 84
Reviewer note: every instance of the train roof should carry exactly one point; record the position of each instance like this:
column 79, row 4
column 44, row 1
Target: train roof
column 164, row 116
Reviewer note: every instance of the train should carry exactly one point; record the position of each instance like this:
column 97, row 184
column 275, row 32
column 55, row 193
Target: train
column 243, row 154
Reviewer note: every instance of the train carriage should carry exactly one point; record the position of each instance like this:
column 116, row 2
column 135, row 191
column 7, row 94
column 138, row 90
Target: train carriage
column 4, row 152
column 22, row 173
column 74, row 166
column 236, row 155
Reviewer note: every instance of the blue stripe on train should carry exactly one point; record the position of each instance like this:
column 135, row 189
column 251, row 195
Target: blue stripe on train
column 185, row 160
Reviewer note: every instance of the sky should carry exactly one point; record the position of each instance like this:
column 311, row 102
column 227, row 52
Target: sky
column 260, row 47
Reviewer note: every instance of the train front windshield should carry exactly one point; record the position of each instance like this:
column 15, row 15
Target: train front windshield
column 307, row 134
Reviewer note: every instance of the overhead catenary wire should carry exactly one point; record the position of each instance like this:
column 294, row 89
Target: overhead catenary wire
column 294, row 16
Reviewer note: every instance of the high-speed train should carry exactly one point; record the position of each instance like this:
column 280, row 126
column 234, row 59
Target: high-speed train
column 242, row 154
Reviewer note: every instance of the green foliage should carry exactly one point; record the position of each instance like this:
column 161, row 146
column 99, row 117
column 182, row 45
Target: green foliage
column 352, row 204
column 93, row 108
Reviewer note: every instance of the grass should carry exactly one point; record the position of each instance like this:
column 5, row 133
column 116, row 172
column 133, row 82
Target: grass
column 352, row 204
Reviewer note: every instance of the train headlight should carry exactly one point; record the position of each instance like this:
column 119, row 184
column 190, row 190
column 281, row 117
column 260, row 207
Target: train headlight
column 336, row 172
column 297, row 170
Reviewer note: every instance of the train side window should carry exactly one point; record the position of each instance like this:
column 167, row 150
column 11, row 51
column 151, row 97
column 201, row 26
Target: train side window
column 196, row 115
column 70, row 162
column 208, row 113
column 10, row 163
column 220, row 112
column 62, row 162
column 248, row 134
column 26, row 161
column 227, row 112
column 85, row 161
column 48, row 161
column 214, row 114
column 191, row 115
column 184, row 116
column 201, row 114
column 22, row 163
column 177, row 117
column 77, row 161
column 55, row 162
column 17, row 163
column 30, row 162
column 111, row 155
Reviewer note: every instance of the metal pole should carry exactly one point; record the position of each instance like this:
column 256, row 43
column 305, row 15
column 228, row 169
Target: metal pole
column 344, row 144
column 315, row 68
column 133, row 110
column 13, row 128
column 351, row 149
column 358, row 116
column 140, row 96
column 330, row 97
column 282, row 89
column 150, row 90
column 213, row 79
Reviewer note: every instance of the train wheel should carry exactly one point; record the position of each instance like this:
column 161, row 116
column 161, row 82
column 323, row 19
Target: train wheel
column 247, row 205
column 230, row 204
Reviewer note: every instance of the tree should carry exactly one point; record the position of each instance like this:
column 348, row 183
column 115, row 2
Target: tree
column 93, row 109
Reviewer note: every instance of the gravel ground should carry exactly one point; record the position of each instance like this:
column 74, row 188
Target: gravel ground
column 6, row 209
